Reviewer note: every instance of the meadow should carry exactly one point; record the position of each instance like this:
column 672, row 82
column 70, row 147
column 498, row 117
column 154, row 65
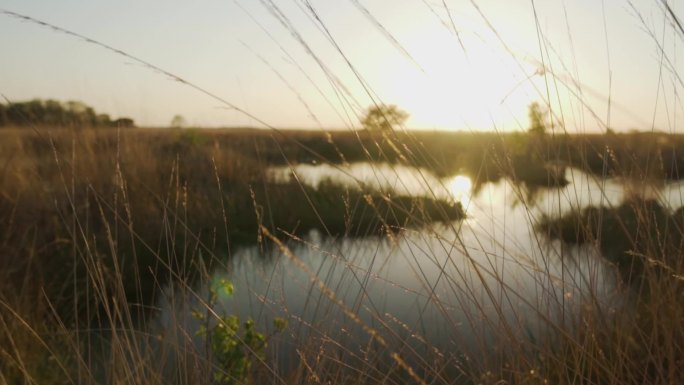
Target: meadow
column 100, row 227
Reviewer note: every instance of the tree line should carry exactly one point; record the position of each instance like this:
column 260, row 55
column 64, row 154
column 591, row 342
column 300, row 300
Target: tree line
column 388, row 117
column 54, row 113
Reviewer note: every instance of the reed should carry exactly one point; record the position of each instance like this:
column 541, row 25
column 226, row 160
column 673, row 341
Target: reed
column 111, row 240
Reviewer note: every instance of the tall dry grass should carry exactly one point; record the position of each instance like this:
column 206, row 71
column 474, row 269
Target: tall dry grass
column 97, row 226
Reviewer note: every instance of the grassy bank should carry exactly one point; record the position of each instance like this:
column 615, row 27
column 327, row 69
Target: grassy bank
column 643, row 342
column 143, row 195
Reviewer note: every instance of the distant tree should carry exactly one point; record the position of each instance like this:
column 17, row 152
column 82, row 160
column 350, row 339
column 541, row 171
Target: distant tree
column 537, row 119
column 35, row 110
column 81, row 114
column 383, row 118
column 3, row 115
column 178, row 121
column 103, row 120
column 52, row 113
column 123, row 123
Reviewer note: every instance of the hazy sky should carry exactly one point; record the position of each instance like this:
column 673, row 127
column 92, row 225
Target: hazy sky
column 452, row 64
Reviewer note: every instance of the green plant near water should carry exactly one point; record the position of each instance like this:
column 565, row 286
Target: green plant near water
column 234, row 349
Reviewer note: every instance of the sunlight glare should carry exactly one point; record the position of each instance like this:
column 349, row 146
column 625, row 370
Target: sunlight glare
column 460, row 188
column 476, row 88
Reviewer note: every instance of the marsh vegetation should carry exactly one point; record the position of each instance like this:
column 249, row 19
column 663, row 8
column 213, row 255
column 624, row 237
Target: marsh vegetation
column 374, row 254
column 361, row 242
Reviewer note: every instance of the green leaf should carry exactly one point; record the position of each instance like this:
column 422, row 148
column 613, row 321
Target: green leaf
column 280, row 323
column 227, row 286
column 197, row 314
column 202, row 331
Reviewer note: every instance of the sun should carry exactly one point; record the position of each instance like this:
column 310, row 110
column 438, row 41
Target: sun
column 478, row 85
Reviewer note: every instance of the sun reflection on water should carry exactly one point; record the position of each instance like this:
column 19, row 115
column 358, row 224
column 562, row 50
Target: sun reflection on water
column 460, row 188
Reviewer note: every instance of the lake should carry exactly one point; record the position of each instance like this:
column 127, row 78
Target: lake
column 465, row 290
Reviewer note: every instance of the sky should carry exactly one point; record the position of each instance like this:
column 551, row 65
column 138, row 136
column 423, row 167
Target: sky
column 319, row 64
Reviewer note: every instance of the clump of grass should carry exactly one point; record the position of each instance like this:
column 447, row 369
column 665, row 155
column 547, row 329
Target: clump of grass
column 637, row 234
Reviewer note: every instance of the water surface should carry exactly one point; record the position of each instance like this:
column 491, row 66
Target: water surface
column 443, row 289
